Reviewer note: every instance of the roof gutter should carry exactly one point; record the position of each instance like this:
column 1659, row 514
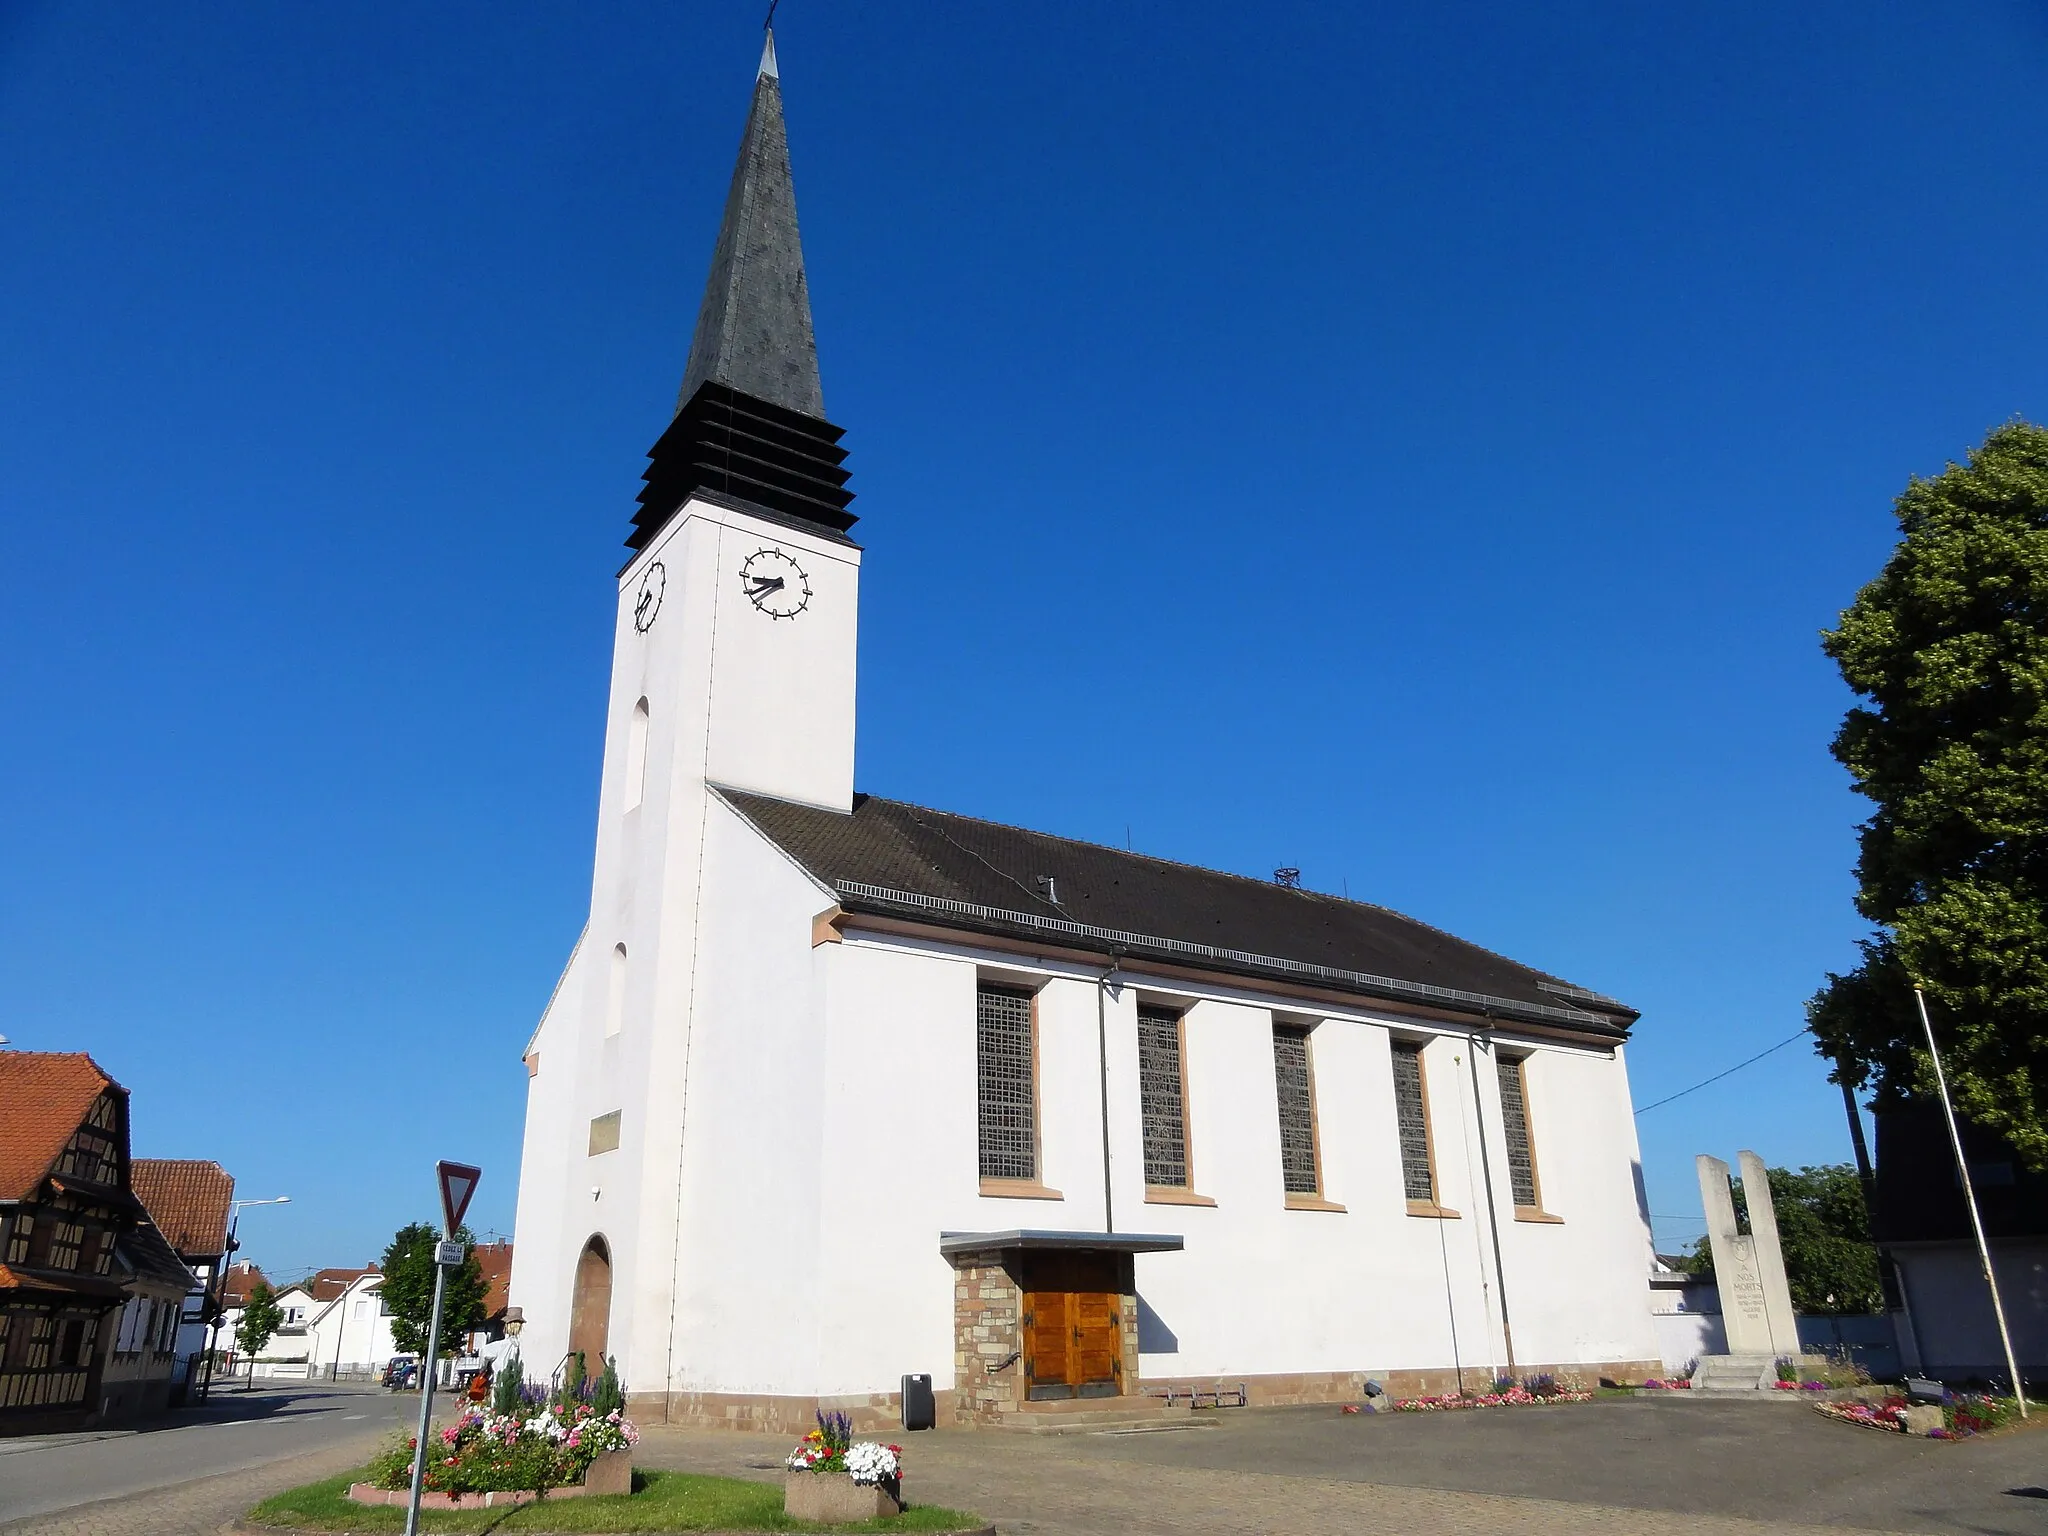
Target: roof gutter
column 858, row 895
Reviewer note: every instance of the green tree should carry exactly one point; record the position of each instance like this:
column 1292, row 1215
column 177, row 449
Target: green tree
column 261, row 1318
column 1824, row 1229
column 1948, row 648
column 408, row 1289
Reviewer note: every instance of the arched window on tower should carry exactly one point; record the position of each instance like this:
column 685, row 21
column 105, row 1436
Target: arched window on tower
column 615, row 997
column 636, row 756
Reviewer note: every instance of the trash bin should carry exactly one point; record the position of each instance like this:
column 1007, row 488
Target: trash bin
column 918, row 1411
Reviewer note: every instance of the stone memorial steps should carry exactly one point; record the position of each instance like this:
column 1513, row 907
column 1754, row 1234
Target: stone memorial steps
column 1094, row 1415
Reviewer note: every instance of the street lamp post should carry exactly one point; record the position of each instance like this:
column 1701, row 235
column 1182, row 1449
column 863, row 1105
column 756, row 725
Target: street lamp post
column 220, row 1288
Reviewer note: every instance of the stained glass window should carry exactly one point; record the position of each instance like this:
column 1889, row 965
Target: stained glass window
column 1297, row 1112
column 1161, row 1098
column 1411, row 1115
column 1008, row 1093
column 1514, row 1119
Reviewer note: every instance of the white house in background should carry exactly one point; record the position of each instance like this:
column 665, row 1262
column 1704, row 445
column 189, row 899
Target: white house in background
column 836, row 1089
column 298, row 1348
column 351, row 1331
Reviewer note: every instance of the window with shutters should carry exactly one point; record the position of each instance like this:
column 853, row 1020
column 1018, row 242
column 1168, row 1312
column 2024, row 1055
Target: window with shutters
column 42, row 1335
column 1514, row 1120
column 18, row 1236
column 1293, row 1076
column 1162, row 1098
column 1411, row 1120
column 1007, row 1083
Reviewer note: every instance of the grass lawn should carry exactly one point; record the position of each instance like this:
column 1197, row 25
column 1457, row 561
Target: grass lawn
column 668, row 1501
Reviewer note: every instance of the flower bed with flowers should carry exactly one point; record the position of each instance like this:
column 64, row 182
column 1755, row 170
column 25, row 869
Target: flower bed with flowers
column 482, row 1452
column 1505, row 1392
column 1963, row 1414
column 831, row 1448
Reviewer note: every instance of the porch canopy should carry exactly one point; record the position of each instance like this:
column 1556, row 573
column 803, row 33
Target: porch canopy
column 951, row 1243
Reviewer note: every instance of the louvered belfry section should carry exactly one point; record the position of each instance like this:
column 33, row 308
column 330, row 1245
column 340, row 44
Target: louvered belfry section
column 750, row 422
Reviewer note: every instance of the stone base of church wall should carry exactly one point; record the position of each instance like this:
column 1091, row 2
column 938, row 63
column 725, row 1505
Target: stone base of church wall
column 1288, row 1389
column 881, row 1413
column 873, row 1413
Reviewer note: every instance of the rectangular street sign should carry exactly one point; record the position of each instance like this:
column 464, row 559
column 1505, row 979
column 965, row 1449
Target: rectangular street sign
column 449, row 1254
column 458, row 1183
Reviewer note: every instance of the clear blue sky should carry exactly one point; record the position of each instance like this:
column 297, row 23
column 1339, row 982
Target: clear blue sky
column 1416, row 444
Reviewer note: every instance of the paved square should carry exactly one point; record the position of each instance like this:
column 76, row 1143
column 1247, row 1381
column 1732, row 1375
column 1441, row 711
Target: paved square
column 1644, row 1466
column 1639, row 1465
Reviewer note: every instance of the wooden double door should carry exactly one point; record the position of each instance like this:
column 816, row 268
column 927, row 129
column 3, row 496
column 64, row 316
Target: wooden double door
column 1073, row 1325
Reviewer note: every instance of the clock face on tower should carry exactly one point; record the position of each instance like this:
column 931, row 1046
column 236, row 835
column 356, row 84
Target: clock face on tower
column 648, row 603
column 775, row 584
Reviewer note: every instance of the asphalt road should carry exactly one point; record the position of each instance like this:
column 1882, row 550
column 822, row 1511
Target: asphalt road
column 236, row 1431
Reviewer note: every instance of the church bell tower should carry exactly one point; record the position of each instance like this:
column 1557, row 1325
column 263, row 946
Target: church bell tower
column 742, row 523
column 733, row 666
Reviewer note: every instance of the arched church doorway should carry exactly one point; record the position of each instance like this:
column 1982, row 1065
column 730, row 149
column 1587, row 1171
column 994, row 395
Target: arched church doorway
column 590, row 1311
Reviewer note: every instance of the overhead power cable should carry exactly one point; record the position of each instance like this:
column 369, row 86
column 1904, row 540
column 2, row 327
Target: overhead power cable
column 1696, row 1087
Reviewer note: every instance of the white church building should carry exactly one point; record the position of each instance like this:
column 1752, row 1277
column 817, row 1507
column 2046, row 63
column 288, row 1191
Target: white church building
column 836, row 1089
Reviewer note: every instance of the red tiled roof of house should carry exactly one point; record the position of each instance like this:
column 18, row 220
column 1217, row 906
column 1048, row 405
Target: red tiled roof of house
column 326, row 1284
column 46, row 1094
column 239, row 1281
column 187, row 1199
column 495, row 1260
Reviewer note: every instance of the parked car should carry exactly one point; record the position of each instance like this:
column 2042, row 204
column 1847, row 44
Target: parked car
column 402, row 1374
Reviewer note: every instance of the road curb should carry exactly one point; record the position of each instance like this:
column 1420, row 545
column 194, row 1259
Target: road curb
column 247, row 1528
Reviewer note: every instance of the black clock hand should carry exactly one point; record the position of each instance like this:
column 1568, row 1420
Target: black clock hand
column 763, row 585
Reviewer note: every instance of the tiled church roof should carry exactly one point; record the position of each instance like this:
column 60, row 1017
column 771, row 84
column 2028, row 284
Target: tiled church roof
column 984, row 877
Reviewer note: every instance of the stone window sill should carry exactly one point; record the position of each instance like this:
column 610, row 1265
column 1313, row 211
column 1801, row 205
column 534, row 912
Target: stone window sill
column 1167, row 1194
column 1018, row 1189
column 1312, row 1203
column 1432, row 1210
column 1531, row 1213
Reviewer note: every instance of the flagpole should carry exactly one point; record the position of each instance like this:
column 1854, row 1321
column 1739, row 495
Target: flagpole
column 1955, row 1137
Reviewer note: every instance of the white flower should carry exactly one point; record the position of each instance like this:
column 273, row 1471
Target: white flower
column 870, row 1463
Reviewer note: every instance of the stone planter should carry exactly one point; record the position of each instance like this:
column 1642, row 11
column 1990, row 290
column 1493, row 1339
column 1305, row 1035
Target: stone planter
column 834, row 1498
column 611, row 1473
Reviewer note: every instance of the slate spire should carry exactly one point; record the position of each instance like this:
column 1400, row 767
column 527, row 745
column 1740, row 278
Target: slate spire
column 754, row 328
column 750, row 423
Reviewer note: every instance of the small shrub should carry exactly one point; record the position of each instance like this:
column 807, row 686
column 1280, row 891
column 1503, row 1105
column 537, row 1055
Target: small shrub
column 1542, row 1384
column 1841, row 1369
column 1503, row 1384
column 574, row 1375
column 1788, row 1369
column 609, row 1395
column 508, row 1387
column 392, row 1466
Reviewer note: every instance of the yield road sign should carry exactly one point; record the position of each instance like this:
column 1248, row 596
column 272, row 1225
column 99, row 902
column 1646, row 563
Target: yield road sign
column 458, row 1183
